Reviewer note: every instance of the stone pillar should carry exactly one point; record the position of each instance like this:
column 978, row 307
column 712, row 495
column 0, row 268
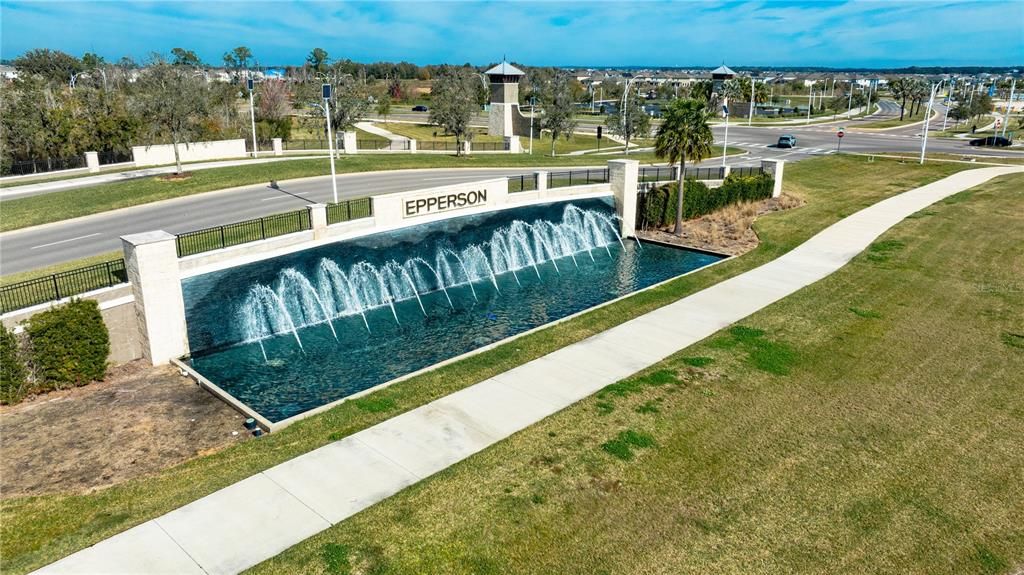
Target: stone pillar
column 624, row 175
column 350, row 144
column 675, row 172
column 467, row 147
column 726, row 170
column 542, row 180
column 412, row 146
column 776, row 167
column 318, row 219
column 278, row 146
column 514, row 144
column 92, row 161
column 151, row 260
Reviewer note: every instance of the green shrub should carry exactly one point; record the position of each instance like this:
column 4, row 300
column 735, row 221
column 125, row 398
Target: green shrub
column 658, row 206
column 69, row 345
column 13, row 383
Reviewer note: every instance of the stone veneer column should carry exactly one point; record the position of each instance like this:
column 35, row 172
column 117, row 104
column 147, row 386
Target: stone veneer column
column 318, row 220
column 623, row 176
column 92, row 161
column 412, row 146
column 278, row 146
column 467, row 147
column 726, row 170
column 351, row 145
column 776, row 167
column 151, row 260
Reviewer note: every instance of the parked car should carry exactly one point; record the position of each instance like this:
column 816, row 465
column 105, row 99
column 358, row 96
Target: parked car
column 786, row 141
column 992, row 141
column 420, row 108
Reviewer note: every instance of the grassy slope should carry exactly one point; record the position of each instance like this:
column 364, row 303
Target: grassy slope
column 56, row 206
column 38, row 530
column 56, row 268
column 869, row 423
column 907, row 119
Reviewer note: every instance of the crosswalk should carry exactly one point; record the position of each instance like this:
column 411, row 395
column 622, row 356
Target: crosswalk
column 797, row 150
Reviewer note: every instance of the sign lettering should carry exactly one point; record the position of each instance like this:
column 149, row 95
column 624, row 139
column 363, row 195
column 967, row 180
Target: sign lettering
column 444, row 202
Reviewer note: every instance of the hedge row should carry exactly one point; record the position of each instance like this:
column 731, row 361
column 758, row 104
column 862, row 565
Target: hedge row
column 658, row 207
column 67, row 346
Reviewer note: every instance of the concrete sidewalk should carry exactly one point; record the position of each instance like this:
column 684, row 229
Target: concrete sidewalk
column 261, row 516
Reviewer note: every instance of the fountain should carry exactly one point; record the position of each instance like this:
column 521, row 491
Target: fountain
column 290, row 333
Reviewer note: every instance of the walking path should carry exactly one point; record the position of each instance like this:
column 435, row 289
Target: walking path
column 397, row 142
column 261, row 516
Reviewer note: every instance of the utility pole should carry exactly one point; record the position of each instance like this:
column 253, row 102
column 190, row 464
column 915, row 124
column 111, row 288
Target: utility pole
column 252, row 119
column 927, row 120
column 326, row 89
column 849, row 107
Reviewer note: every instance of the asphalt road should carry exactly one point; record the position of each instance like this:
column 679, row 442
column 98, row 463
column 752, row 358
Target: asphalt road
column 49, row 244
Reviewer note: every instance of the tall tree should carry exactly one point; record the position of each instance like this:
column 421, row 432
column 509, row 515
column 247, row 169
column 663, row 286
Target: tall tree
column 183, row 57
column 384, row 107
column 684, row 133
column 900, row 88
column 175, row 102
column 630, row 122
column 53, row 66
column 272, row 100
column 559, row 109
column 242, row 55
column 317, row 59
column 453, row 102
column 91, row 61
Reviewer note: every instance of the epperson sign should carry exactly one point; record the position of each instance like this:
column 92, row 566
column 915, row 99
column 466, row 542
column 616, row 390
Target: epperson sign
column 442, row 202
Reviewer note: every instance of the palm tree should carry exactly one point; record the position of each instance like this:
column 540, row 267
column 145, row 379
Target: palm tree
column 684, row 133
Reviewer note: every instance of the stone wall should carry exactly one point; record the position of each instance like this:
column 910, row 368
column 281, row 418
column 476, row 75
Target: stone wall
column 163, row 154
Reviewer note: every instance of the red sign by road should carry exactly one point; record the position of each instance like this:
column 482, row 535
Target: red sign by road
column 839, row 134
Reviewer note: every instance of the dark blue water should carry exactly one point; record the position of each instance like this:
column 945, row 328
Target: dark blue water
column 241, row 320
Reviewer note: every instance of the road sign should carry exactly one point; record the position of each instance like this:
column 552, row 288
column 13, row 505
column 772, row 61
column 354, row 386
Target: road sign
column 839, row 134
column 599, row 133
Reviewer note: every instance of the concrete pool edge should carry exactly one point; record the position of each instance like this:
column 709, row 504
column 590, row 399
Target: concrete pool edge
column 272, row 426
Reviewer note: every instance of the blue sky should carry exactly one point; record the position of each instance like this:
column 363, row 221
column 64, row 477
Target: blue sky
column 591, row 33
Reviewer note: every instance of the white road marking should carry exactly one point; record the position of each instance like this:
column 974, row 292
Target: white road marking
column 64, row 241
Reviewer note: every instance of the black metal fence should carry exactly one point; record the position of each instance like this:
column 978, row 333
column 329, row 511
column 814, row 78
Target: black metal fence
column 747, row 171
column 436, row 146
column 657, row 174
column 24, row 167
column 489, row 146
column 374, row 144
column 349, row 210
column 306, row 144
column 523, row 183
column 60, row 285
column 577, row 178
column 218, row 237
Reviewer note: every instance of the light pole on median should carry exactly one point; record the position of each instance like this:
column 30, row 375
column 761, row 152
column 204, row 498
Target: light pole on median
column 252, row 119
column 533, row 112
column 1009, row 105
column 849, row 107
column 750, row 116
column 810, row 102
column 725, row 144
column 326, row 93
column 927, row 120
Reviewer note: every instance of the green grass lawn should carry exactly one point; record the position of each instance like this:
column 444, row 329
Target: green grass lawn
column 425, row 132
column 37, row 530
column 57, row 206
column 870, row 423
column 907, row 119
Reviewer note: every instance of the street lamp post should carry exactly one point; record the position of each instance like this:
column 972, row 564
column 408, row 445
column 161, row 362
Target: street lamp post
column 252, row 120
column 927, row 120
column 1009, row 105
column 623, row 113
column 533, row 112
column 849, row 107
column 810, row 102
column 750, row 117
column 725, row 144
column 326, row 93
